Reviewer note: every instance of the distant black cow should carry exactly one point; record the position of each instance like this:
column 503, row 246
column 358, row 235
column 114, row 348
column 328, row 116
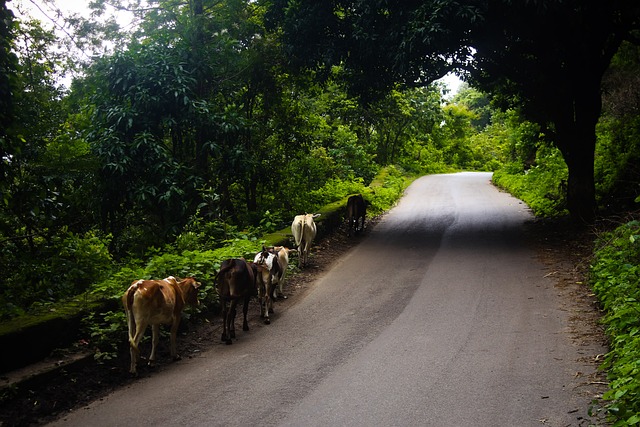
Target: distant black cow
column 356, row 212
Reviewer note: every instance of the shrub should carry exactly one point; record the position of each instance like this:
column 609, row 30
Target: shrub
column 615, row 275
column 541, row 187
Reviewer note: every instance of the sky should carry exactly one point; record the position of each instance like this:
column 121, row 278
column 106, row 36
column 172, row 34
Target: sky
column 453, row 82
column 40, row 9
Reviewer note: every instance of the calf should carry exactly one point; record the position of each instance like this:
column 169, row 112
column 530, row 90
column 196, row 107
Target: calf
column 356, row 212
column 152, row 302
column 235, row 281
column 303, row 229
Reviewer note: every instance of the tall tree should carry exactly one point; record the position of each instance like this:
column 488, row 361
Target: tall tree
column 547, row 55
column 8, row 83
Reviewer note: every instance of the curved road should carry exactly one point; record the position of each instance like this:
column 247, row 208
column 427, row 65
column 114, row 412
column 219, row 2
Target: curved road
column 442, row 316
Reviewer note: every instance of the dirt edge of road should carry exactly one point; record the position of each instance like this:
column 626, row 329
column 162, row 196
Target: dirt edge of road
column 48, row 395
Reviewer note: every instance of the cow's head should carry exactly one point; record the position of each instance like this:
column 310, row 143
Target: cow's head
column 189, row 288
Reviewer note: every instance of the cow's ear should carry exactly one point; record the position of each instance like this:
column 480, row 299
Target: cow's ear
column 316, row 215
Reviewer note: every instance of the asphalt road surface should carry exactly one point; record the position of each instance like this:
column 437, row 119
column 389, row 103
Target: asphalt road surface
column 442, row 316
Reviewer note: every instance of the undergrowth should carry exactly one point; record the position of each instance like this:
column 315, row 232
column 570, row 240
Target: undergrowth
column 615, row 275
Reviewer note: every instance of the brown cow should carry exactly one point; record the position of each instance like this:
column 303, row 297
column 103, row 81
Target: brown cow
column 235, row 281
column 152, row 302
column 356, row 212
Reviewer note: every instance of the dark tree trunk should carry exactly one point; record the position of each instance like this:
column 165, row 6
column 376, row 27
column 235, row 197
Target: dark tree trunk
column 576, row 139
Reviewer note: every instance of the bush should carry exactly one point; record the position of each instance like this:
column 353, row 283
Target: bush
column 66, row 266
column 541, row 187
column 615, row 275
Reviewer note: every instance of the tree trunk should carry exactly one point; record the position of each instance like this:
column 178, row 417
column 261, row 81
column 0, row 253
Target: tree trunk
column 576, row 139
column 581, row 199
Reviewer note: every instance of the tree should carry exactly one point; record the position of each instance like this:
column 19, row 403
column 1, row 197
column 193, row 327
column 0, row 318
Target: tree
column 547, row 55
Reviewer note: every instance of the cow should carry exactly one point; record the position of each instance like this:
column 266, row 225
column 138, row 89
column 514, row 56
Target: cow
column 235, row 282
column 356, row 212
column 283, row 259
column 155, row 302
column 303, row 229
column 264, row 286
column 276, row 261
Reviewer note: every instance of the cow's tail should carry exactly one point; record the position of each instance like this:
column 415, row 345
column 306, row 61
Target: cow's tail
column 223, row 270
column 298, row 236
column 128, row 306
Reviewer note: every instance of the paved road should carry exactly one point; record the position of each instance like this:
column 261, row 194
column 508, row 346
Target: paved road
column 442, row 316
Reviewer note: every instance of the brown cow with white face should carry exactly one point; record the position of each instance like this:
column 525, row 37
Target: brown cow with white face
column 155, row 302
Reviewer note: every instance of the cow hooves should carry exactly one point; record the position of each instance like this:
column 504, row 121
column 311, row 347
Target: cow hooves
column 271, row 311
column 228, row 342
column 245, row 328
column 267, row 321
column 177, row 357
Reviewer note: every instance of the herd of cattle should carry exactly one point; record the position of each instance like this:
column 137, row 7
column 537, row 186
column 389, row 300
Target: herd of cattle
column 155, row 302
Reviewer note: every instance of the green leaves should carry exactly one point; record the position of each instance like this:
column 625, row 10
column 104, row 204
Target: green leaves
column 615, row 275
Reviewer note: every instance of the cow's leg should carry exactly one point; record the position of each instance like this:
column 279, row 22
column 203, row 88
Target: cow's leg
column 267, row 301
column 245, row 313
column 274, row 289
column 232, row 320
column 262, row 290
column 305, row 253
column 132, row 348
column 277, row 290
column 225, row 323
column 174, row 336
column 133, row 343
column 271, row 290
column 301, row 254
column 155, row 337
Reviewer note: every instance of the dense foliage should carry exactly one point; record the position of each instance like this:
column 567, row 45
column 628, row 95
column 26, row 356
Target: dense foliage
column 615, row 276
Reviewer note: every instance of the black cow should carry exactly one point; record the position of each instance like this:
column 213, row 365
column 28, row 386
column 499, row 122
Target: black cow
column 356, row 212
column 235, row 281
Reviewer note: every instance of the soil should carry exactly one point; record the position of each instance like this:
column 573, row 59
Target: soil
column 564, row 250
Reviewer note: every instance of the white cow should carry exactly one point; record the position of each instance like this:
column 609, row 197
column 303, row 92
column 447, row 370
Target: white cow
column 283, row 259
column 304, row 231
